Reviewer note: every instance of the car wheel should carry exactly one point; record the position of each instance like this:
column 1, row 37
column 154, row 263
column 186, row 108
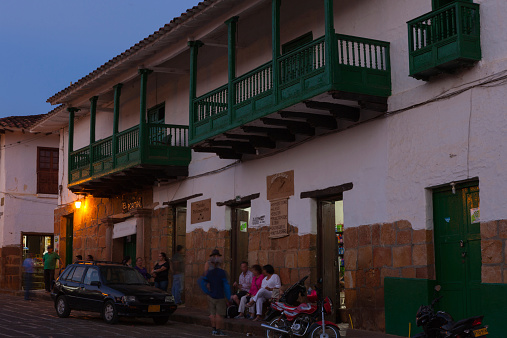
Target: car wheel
column 161, row 320
column 109, row 313
column 62, row 307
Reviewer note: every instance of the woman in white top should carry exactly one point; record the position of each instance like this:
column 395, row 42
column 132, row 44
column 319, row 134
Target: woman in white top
column 270, row 282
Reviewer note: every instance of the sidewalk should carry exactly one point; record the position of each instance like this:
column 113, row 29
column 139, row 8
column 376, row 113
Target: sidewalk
column 200, row 317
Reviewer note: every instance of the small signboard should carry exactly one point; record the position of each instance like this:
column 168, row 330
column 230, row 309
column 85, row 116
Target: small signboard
column 243, row 226
column 130, row 202
column 280, row 185
column 200, row 211
column 279, row 218
column 259, row 220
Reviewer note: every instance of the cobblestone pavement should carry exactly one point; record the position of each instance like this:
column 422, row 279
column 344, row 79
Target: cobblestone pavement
column 20, row 318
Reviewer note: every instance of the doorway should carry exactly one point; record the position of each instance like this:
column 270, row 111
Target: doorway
column 36, row 245
column 69, row 239
column 330, row 251
column 180, row 226
column 456, row 217
column 129, row 248
column 240, row 216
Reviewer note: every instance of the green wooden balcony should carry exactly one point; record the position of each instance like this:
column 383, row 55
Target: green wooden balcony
column 101, row 171
column 359, row 72
column 444, row 40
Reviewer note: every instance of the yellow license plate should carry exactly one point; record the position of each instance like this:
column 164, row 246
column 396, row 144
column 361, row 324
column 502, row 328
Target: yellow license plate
column 481, row 332
column 153, row 308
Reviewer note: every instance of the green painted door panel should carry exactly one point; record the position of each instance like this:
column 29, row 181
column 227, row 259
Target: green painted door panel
column 458, row 250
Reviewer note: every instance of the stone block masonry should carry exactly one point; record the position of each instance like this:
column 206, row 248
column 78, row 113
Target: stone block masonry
column 373, row 252
column 293, row 256
column 10, row 267
column 494, row 251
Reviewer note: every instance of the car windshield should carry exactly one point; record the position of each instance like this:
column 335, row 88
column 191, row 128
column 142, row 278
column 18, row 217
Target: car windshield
column 121, row 275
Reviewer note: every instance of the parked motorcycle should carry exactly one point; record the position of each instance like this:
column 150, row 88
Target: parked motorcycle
column 289, row 297
column 304, row 320
column 441, row 324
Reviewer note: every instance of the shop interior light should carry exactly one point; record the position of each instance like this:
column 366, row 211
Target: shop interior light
column 77, row 204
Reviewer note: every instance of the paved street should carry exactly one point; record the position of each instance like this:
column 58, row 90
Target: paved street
column 20, row 318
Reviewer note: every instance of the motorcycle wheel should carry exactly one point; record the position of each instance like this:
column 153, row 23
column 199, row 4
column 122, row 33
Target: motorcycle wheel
column 331, row 332
column 277, row 322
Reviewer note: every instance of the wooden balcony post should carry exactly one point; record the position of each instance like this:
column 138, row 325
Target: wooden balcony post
column 116, row 121
column 194, row 48
column 275, row 38
column 143, row 135
column 71, row 111
column 331, row 43
column 93, row 112
column 231, row 55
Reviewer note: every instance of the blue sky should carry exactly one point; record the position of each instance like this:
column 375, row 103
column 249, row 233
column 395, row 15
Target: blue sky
column 46, row 44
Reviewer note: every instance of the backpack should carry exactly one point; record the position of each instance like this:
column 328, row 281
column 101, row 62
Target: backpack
column 232, row 311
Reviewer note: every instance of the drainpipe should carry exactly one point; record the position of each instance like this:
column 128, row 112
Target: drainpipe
column 275, row 32
column 231, row 55
column 194, row 48
column 71, row 111
column 93, row 111
column 116, row 121
column 142, row 112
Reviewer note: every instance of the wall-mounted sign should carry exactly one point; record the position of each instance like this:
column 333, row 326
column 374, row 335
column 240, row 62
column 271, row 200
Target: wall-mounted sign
column 259, row 220
column 125, row 228
column 57, row 243
column 475, row 215
column 243, row 226
column 280, row 185
column 279, row 218
column 130, row 202
column 200, row 211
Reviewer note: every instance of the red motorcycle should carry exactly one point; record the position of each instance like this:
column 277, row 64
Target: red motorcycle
column 304, row 320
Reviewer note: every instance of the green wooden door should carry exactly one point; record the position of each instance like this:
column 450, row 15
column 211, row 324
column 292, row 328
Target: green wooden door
column 458, row 249
column 69, row 239
column 129, row 248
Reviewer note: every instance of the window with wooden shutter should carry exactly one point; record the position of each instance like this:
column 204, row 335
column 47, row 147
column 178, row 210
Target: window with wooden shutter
column 47, row 170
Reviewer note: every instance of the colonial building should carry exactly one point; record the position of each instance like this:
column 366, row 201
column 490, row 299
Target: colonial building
column 28, row 196
column 326, row 138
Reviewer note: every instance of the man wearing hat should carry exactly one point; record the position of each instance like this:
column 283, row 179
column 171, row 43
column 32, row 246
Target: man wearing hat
column 216, row 286
column 208, row 266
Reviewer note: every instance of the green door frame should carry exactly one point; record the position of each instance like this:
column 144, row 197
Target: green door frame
column 69, row 239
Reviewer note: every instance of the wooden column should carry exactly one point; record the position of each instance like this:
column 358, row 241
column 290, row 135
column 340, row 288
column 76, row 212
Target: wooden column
column 194, row 48
column 275, row 40
column 330, row 39
column 71, row 111
column 231, row 56
column 116, row 121
column 143, row 135
column 93, row 111
column 143, row 234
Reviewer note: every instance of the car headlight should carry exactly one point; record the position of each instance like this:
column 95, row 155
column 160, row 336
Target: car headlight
column 169, row 299
column 128, row 299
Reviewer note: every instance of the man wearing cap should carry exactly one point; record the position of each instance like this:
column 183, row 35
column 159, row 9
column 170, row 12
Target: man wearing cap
column 216, row 286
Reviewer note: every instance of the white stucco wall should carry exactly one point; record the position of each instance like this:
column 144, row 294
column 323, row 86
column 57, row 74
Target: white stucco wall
column 391, row 161
column 24, row 210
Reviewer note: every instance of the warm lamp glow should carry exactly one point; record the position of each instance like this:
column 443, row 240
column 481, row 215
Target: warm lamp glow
column 77, row 204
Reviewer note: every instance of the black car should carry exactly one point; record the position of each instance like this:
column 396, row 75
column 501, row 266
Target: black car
column 113, row 290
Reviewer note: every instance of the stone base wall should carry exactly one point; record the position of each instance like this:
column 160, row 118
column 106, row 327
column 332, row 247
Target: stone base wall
column 494, row 251
column 293, row 256
column 373, row 252
column 161, row 234
column 10, row 267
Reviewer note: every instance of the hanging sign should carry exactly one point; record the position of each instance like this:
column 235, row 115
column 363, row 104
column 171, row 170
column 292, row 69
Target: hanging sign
column 280, row 185
column 200, row 211
column 279, row 213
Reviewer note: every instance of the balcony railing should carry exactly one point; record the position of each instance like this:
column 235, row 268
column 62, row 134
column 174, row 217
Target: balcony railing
column 445, row 38
column 362, row 66
column 165, row 145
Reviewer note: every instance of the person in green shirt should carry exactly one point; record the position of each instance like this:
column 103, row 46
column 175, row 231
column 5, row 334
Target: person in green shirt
column 49, row 260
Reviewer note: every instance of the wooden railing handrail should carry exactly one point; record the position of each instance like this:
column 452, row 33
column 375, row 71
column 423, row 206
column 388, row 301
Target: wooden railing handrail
column 253, row 71
column 211, row 93
column 431, row 14
column 300, row 49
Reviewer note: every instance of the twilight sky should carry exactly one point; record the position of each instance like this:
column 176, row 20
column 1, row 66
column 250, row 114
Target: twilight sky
column 46, row 44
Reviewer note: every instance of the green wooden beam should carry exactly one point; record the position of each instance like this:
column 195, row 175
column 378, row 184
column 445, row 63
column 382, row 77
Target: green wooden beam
column 142, row 112
column 71, row 111
column 93, row 112
column 231, row 55
column 116, row 121
column 330, row 38
column 275, row 32
column 194, row 48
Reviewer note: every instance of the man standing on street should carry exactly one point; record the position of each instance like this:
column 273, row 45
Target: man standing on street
column 177, row 267
column 216, row 286
column 49, row 260
column 28, row 266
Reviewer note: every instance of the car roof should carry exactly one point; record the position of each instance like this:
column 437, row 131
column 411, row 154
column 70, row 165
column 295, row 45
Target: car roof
column 101, row 263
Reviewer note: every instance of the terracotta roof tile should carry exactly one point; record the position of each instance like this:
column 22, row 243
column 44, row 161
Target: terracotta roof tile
column 20, row 122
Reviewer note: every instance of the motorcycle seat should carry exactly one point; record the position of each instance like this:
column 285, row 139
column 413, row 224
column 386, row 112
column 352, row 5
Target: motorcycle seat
column 454, row 325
